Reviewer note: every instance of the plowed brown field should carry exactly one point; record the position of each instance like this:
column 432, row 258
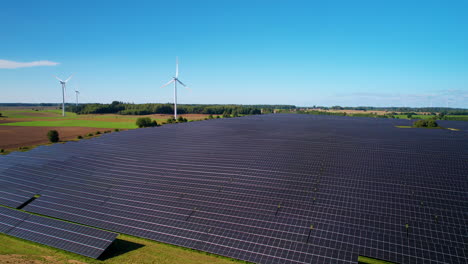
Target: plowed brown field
column 12, row 137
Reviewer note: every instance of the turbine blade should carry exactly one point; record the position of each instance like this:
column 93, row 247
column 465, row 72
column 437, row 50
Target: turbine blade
column 56, row 77
column 168, row 83
column 181, row 83
column 177, row 67
column 69, row 78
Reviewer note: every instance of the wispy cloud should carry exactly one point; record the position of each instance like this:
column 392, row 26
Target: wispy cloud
column 6, row 64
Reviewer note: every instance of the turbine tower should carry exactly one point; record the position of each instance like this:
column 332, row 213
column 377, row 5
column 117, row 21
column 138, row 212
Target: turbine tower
column 175, row 80
column 77, row 93
column 63, row 83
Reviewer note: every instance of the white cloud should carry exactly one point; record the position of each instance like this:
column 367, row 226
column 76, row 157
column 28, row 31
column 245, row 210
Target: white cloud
column 6, row 64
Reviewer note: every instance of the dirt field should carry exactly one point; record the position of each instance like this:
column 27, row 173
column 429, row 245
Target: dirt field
column 13, row 137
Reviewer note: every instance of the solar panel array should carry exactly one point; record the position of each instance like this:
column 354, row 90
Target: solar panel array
column 267, row 189
column 79, row 239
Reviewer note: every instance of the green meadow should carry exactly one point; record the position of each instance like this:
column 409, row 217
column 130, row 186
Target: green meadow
column 54, row 118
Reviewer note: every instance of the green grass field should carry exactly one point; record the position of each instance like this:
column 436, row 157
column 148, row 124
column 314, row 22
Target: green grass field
column 126, row 249
column 54, row 118
column 48, row 114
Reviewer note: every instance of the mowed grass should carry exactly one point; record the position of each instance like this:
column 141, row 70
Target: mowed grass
column 126, row 249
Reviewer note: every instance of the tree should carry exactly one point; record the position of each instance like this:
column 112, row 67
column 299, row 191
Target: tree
column 145, row 122
column 431, row 123
column 53, row 136
column 420, row 123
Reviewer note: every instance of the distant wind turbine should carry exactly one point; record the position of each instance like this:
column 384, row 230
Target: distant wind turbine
column 175, row 80
column 63, row 83
column 77, row 93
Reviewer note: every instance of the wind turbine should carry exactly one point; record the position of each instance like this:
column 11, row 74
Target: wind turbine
column 175, row 80
column 63, row 83
column 77, row 93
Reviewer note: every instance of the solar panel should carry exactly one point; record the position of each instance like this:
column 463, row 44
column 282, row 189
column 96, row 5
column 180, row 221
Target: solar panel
column 75, row 238
column 266, row 189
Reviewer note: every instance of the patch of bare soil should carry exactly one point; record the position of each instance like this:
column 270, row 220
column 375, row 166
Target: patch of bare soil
column 12, row 137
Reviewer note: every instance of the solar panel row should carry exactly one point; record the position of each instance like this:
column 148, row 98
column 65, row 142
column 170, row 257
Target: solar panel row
column 266, row 189
column 79, row 239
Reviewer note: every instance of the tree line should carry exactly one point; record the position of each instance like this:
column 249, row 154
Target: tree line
column 122, row 108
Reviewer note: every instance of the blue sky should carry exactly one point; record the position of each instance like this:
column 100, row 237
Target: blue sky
column 380, row 53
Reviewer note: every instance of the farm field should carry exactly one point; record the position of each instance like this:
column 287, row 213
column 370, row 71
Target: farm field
column 26, row 127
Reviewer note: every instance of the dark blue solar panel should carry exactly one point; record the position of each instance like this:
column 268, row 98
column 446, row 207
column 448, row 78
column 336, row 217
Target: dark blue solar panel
column 79, row 239
column 251, row 188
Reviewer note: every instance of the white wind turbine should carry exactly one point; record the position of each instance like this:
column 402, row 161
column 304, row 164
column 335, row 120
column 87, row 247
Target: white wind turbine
column 63, row 83
column 175, row 80
column 77, row 93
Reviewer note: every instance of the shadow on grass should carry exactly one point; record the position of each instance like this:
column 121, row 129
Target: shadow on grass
column 119, row 247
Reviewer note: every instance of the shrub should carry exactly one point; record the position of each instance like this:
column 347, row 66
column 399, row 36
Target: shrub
column 98, row 132
column 107, row 131
column 170, row 120
column 53, row 136
column 79, row 137
column 116, row 130
column 0, row 114
column 210, row 116
column 431, row 123
column 2, row 150
column 90, row 135
column 181, row 119
column 226, row 115
column 145, row 122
